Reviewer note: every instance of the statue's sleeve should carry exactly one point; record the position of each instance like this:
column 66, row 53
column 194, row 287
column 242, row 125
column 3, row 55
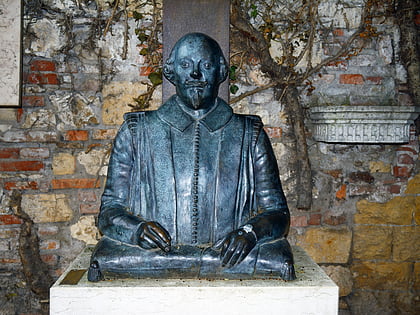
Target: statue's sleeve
column 114, row 219
column 273, row 218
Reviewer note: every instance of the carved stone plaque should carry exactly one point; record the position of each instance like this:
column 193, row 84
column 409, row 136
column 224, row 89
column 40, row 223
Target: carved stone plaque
column 10, row 53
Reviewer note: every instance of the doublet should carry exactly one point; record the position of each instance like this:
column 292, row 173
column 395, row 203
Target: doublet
column 199, row 178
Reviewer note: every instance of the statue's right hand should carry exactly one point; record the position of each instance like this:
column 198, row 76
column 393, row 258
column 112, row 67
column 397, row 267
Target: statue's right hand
column 153, row 235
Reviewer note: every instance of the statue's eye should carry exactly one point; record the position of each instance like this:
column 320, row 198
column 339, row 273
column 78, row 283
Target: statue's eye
column 185, row 64
column 207, row 65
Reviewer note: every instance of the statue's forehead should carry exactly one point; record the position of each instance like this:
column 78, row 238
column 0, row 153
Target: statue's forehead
column 196, row 48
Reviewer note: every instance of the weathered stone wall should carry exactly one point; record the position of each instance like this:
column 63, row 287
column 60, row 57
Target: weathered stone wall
column 363, row 227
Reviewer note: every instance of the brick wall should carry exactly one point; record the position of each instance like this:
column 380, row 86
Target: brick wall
column 363, row 224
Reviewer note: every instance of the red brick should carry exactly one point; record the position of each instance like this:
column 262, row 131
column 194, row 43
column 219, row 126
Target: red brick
column 76, row 135
column 9, row 153
column 374, row 80
column 21, row 166
column 8, row 219
column 104, row 134
column 395, row 189
column 33, row 101
column 274, row 132
column 19, row 114
column 75, row 183
column 50, row 259
column 35, row 153
column 21, row 185
column 89, row 208
column 315, row 219
column 42, row 65
column 338, row 32
column 145, row 71
column 417, row 19
column 407, row 149
column 9, row 261
column 366, row 177
column 401, row 171
column 334, row 219
column 341, row 193
column 42, row 78
column 334, row 173
column 351, row 79
column 405, row 159
column 299, row 221
column 49, row 244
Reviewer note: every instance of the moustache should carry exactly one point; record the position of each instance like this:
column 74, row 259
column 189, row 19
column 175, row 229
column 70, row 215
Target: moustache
column 195, row 83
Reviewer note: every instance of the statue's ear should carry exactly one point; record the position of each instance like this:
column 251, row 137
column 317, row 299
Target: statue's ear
column 168, row 72
column 223, row 70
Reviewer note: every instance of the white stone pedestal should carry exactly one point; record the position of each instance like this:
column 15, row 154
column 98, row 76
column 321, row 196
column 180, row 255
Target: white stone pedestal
column 312, row 293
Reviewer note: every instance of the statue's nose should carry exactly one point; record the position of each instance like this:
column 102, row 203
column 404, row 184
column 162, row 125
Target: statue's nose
column 195, row 73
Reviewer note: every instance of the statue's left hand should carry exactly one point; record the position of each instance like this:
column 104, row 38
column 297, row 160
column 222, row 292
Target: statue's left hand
column 235, row 247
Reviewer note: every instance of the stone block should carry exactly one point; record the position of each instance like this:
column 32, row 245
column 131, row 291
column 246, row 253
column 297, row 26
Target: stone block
column 327, row 245
column 406, row 245
column 416, row 285
column 44, row 208
column 398, row 210
column 381, row 275
column 417, row 211
column 85, row 230
column 94, row 161
column 342, row 277
column 34, row 153
column 379, row 167
column 117, row 96
column 63, row 164
column 372, row 242
column 413, row 185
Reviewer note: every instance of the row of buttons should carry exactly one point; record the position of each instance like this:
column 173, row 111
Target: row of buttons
column 194, row 192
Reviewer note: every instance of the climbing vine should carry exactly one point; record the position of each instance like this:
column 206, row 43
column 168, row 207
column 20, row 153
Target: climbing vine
column 294, row 29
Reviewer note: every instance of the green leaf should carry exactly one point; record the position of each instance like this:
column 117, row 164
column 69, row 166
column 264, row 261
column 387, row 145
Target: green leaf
column 254, row 11
column 144, row 51
column 232, row 73
column 137, row 15
column 156, row 77
column 233, row 88
column 142, row 37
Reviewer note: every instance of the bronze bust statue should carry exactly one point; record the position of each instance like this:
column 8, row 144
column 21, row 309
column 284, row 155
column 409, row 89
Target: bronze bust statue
column 193, row 189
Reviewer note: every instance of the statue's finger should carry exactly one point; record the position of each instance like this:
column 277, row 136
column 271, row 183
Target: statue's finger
column 149, row 241
column 163, row 243
column 236, row 254
column 227, row 254
column 162, row 233
column 219, row 243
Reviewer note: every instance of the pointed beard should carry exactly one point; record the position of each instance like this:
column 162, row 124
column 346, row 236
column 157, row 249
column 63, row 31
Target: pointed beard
column 196, row 98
